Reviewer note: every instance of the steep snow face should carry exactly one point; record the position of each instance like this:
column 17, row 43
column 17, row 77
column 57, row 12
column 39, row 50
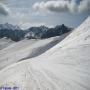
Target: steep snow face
column 79, row 37
column 66, row 66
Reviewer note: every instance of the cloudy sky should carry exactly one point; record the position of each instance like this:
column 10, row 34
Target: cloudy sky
column 27, row 13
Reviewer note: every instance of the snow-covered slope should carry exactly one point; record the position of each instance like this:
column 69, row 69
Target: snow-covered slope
column 4, row 42
column 63, row 67
column 27, row 49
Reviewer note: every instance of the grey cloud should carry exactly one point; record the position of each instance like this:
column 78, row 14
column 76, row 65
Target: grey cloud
column 84, row 6
column 4, row 10
column 63, row 6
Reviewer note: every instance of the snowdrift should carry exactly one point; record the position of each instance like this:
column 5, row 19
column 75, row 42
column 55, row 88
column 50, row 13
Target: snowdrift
column 63, row 67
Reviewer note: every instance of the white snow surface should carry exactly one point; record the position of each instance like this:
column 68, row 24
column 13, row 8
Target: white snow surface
column 5, row 42
column 27, row 49
column 66, row 66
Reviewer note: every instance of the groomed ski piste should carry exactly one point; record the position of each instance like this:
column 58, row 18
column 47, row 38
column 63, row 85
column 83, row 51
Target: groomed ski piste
column 66, row 66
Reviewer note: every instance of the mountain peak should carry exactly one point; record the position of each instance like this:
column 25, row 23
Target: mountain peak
column 9, row 26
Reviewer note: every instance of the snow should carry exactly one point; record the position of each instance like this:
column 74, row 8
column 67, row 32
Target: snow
column 27, row 49
column 4, row 42
column 63, row 67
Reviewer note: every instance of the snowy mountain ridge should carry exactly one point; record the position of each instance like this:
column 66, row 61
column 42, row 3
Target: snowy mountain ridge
column 15, row 33
column 9, row 26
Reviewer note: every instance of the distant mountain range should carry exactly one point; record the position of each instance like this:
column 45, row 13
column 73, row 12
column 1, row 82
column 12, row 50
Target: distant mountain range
column 15, row 33
column 10, row 31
